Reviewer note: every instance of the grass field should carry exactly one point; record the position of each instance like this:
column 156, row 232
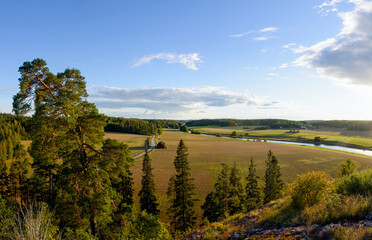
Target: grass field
column 207, row 153
column 135, row 142
column 361, row 138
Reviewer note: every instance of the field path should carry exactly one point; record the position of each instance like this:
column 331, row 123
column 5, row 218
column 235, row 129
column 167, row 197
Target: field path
column 152, row 147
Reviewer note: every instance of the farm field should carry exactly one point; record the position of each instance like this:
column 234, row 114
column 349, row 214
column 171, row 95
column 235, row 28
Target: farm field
column 207, row 153
column 135, row 142
column 361, row 138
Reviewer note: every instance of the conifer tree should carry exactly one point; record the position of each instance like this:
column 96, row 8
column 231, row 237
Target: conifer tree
column 147, row 196
column 4, row 181
column 252, row 191
column 182, row 191
column 18, row 172
column 273, row 183
column 236, row 191
column 216, row 205
column 222, row 191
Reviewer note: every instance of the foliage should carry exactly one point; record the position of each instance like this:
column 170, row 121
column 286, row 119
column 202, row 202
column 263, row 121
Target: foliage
column 236, row 192
column 356, row 184
column 184, row 128
column 310, row 188
column 234, row 134
column 348, row 167
column 131, row 125
column 182, row 193
column 252, row 190
column 273, row 182
column 147, row 196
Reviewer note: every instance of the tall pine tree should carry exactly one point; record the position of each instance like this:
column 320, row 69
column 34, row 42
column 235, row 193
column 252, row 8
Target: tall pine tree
column 236, row 191
column 273, row 183
column 182, row 193
column 252, row 190
column 147, row 196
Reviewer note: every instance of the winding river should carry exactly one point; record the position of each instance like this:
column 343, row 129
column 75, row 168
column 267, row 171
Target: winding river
column 345, row 149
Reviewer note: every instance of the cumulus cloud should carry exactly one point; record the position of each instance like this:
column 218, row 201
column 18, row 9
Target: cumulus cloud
column 173, row 100
column 190, row 60
column 347, row 57
column 261, row 35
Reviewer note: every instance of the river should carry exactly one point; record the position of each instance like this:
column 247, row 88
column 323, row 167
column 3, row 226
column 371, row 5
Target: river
column 345, row 149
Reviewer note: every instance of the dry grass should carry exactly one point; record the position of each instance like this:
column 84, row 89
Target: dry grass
column 135, row 142
column 207, row 153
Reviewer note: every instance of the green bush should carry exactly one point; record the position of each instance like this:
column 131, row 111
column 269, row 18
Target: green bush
column 310, row 188
column 356, row 184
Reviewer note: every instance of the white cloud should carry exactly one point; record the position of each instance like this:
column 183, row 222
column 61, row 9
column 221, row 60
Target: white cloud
column 269, row 29
column 295, row 48
column 190, row 60
column 173, row 100
column 263, row 34
column 347, row 57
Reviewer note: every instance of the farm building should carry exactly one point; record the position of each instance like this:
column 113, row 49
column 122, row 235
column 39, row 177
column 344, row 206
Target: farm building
column 161, row 145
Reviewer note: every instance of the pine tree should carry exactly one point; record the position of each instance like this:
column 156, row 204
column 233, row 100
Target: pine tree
column 252, row 190
column 182, row 190
column 147, row 196
column 4, row 180
column 236, row 192
column 222, row 191
column 273, row 183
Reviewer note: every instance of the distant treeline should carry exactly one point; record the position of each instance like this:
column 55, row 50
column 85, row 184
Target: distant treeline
column 11, row 133
column 138, row 126
column 271, row 123
column 348, row 124
column 164, row 123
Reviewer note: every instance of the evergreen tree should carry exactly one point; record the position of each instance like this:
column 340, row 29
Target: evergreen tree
column 273, row 183
column 210, row 208
column 18, row 173
column 4, row 181
column 182, row 193
column 147, row 196
column 216, row 205
column 236, row 191
column 253, row 196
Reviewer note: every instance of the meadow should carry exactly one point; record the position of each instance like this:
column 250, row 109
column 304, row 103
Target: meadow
column 135, row 142
column 342, row 136
column 207, row 153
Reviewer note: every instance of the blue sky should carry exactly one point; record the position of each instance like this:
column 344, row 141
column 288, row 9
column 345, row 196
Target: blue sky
column 200, row 59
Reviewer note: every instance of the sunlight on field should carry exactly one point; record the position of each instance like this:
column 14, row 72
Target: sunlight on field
column 135, row 142
column 207, row 153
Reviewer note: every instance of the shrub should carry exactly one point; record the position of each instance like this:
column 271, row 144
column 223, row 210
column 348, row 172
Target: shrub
column 310, row 188
column 349, row 167
column 356, row 184
column 335, row 208
column 33, row 222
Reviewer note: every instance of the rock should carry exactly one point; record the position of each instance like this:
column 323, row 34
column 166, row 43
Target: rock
column 235, row 235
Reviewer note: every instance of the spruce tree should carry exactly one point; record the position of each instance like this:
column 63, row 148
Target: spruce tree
column 236, row 191
column 147, row 196
column 222, row 191
column 252, row 190
column 273, row 183
column 182, row 190
column 4, row 180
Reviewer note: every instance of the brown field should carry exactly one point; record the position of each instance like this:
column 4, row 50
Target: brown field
column 207, row 153
column 135, row 142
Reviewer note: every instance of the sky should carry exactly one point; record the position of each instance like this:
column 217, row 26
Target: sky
column 300, row 60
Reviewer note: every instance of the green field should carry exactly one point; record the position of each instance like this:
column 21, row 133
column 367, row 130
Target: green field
column 207, row 153
column 135, row 142
column 342, row 136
